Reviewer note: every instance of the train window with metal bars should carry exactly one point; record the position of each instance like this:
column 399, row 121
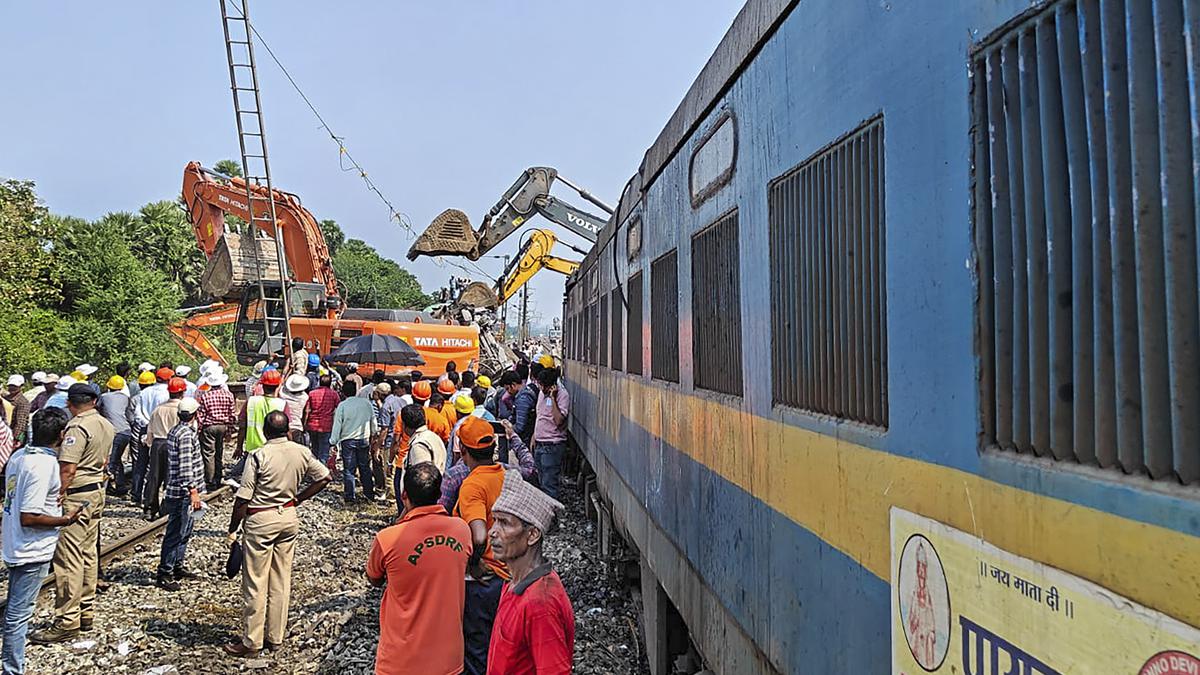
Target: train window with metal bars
column 717, row 307
column 633, row 323
column 829, row 327
column 593, row 333
column 1085, row 229
column 664, row 318
column 617, row 316
column 602, row 342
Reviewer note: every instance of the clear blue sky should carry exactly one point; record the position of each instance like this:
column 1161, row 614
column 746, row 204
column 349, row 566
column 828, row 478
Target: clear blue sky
column 444, row 103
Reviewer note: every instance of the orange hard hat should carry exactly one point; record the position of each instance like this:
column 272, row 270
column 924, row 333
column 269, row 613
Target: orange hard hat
column 164, row 374
column 476, row 433
column 176, row 385
column 447, row 387
column 422, row 390
column 271, row 378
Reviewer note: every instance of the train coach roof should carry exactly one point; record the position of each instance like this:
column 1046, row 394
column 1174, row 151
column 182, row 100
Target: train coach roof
column 751, row 28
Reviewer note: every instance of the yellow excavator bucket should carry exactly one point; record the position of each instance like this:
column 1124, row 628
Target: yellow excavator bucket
column 449, row 234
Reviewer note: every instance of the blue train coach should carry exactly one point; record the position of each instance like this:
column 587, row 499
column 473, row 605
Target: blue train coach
column 890, row 358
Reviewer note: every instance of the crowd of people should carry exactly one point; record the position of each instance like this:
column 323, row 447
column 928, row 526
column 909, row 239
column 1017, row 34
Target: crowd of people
column 472, row 460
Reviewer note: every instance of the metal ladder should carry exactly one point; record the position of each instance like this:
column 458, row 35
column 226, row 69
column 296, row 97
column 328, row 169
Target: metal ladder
column 256, row 168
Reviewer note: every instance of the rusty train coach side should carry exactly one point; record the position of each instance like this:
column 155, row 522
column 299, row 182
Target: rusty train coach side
column 888, row 359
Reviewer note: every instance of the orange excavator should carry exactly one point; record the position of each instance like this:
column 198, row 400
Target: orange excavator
column 240, row 263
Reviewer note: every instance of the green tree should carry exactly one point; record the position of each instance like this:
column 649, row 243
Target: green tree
column 334, row 237
column 119, row 306
column 370, row 280
column 229, row 167
column 27, row 234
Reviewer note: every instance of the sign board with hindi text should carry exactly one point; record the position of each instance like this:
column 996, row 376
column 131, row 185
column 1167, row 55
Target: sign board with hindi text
column 961, row 605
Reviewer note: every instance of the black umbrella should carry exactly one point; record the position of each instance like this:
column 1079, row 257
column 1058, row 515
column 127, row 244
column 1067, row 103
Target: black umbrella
column 379, row 349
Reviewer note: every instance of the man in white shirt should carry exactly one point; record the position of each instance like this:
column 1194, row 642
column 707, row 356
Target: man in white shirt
column 32, row 516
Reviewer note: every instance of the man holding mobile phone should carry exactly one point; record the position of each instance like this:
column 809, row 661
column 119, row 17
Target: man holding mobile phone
column 32, row 517
column 550, row 430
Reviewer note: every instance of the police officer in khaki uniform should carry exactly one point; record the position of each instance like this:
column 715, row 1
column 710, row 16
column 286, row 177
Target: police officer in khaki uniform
column 266, row 505
column 87, row 441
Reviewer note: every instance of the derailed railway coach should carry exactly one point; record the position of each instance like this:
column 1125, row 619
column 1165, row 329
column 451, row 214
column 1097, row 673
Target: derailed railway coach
column 890, row 357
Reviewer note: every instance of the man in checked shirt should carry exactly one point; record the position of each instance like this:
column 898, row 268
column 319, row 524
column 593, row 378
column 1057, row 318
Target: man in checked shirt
column 185, row 483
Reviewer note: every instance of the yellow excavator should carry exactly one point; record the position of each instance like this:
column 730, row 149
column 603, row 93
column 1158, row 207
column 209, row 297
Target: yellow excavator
column 451, row 232
column 533, row 257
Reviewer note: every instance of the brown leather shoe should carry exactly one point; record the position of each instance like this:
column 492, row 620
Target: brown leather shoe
column 53, row 634
column 240, row 649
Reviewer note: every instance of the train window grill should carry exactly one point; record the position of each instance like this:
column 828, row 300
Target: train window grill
column 618, row 313
column 1085, row 228
column 602, row 341
column 633, row 323
column 717, row 307
column 664, row 317
column 593, row 333
column 829, row 327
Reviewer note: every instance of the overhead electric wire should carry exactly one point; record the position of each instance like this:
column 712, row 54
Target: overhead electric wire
column 345, row 156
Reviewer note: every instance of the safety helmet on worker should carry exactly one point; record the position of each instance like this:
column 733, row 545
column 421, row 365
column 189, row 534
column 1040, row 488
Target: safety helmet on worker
column 464, row 404
column 145, row 378
column 446, row 387
column 476, row 433
column 176, row 385
column 484, row 381
column 271, row 378
column 421, row 390
column 116, row 383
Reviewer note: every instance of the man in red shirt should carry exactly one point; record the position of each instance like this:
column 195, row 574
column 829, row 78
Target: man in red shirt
column 480, row 489
column 534, row 630
column 318, row 417
column 422, row 559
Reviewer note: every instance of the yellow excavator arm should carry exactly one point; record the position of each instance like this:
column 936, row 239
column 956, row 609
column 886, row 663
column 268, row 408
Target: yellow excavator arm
column 533, row 257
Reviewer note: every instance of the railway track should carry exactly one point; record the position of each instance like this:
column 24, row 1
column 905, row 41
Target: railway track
column 128, row 541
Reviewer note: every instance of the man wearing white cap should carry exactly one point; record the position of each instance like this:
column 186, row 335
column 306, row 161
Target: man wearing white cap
column 87, row 369
column 215, row 418
column 49, row 388
column 184, row 485
column 38, row 379
column 20, row 408
column 183, row 370
column 295, row 394
column 59, row 398
column 535, row 616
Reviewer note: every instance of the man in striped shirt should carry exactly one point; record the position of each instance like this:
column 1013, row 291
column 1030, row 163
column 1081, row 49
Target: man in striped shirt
column 216, row 418
column 185, row 483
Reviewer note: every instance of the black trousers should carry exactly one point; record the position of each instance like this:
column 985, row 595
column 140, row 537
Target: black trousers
column 156, row 477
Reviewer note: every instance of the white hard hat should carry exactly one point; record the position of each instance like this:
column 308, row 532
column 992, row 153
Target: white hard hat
column 189, row 405
column 182, row 370
column 216, row 379
column 145, row 366
column 296, row 383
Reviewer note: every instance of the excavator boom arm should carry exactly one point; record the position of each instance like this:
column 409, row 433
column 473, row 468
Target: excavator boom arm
column 210, row 195
column 533, row 257
column 451, row 232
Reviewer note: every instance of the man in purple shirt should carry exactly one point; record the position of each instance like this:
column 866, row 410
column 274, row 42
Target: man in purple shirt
column 456, row 474
column 550, row 430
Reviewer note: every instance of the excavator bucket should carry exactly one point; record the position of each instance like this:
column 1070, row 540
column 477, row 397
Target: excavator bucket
column 231, row 268
column 477, row 294
column 449, row 234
